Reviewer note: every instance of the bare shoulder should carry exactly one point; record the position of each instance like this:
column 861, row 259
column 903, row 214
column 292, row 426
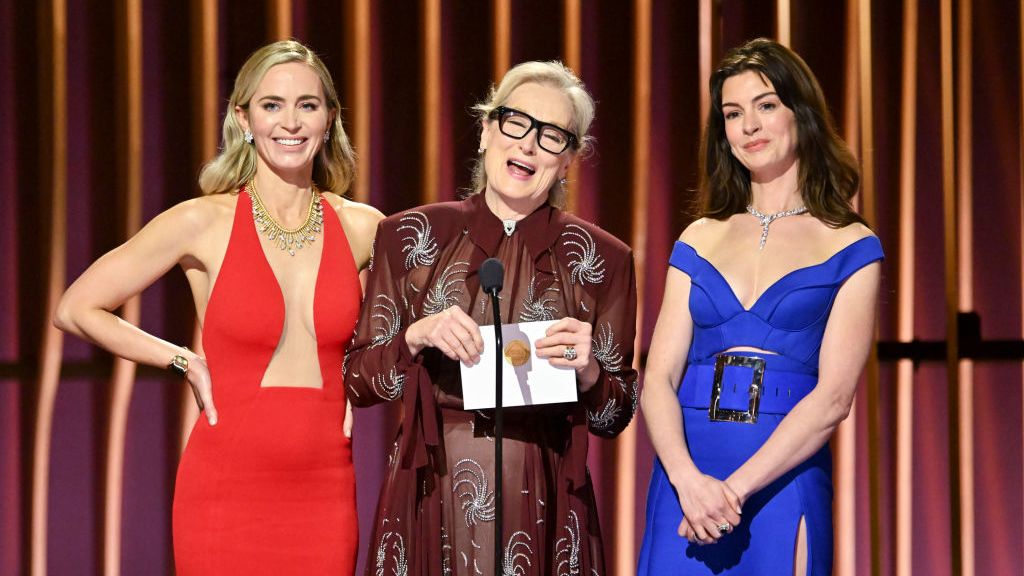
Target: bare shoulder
column 198, row 215
column 360, row 224
column 203, row 225
column 703, row 232
column 204, row 210
column 358, row 217
column 838, row 238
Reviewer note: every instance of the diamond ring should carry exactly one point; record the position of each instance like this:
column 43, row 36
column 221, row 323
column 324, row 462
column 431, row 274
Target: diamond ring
column 724, row 528
column 569, row 353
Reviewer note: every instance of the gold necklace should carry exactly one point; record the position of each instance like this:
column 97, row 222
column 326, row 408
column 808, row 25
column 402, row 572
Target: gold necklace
column 285, row 239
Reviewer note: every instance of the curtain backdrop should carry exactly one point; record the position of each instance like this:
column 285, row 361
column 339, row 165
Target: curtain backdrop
column 108, row 108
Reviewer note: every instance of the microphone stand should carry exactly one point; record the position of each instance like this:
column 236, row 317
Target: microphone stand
column 492, row 274
column 499, row 435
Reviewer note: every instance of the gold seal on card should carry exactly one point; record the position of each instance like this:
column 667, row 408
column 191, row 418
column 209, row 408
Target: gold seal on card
column 517, row 352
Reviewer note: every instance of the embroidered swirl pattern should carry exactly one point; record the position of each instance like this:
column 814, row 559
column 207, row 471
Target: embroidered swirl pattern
column 388, row 386
column 471, row 487
column 605, row 417
column 586, row 266
column 567, row 548
column 536, row 309
column 516, row 562
column 390, row 321
column 392, row 542
column 445, row 292
column 417, row 241
column 606, row 351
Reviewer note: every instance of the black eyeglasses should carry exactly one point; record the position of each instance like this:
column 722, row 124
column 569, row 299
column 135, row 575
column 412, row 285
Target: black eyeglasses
column 516, row 124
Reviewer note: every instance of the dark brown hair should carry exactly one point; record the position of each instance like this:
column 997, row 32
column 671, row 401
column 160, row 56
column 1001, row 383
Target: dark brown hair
column 829, row 175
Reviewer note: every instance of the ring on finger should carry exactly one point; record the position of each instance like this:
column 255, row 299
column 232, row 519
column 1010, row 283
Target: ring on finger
column 724, row 528
column 569, row 353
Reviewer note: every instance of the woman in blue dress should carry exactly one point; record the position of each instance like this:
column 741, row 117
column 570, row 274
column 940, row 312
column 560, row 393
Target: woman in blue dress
column 761, row 337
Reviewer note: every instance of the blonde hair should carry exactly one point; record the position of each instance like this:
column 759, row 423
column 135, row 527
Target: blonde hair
column 552, row 73
column 334, row 165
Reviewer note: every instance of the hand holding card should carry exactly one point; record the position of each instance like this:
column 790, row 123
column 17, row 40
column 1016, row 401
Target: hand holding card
column 528, row 380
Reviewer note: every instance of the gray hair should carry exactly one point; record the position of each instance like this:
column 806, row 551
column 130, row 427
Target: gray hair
column 552, row 73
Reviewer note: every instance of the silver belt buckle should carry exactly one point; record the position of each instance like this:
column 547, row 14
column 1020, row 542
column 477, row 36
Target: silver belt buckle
column 748, row 416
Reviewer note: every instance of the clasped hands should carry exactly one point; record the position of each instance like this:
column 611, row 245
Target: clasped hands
column 711, row 509
column 457, row 336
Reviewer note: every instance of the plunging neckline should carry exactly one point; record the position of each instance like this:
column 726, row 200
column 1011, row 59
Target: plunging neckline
column 283, row 302
column 277, row 280
column 777, row 282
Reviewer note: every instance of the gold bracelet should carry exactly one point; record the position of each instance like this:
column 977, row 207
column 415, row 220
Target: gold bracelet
column 179, row 365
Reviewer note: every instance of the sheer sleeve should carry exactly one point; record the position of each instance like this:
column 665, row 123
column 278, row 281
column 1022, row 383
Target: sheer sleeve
column 610, row 404
column 378, row 358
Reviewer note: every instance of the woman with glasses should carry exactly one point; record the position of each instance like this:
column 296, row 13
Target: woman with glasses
column 767, row 320
column 422, row 318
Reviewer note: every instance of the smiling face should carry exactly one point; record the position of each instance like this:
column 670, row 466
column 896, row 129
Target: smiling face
column 761, row 130
column 521, row 174
column 288, row 117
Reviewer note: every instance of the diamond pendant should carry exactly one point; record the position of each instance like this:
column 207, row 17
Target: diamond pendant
column 767, row 219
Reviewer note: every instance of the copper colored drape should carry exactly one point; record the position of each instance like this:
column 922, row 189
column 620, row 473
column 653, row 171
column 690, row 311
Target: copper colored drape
column 109, row 107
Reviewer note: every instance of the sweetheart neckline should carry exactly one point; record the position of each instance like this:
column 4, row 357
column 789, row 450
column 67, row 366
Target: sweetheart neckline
column 760, row 297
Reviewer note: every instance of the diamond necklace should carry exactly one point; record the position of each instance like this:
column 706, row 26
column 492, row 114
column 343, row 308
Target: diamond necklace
column 767, row 219
column 285, row 239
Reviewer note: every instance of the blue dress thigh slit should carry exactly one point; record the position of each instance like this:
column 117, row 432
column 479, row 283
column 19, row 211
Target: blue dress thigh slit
column 788, row 320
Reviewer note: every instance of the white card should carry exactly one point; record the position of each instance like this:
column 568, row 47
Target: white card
column 526, row 379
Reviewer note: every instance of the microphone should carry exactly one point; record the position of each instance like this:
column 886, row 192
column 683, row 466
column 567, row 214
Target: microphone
column 492, row 276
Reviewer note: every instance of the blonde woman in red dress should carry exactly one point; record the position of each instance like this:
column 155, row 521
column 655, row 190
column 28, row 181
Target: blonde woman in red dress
column 272, row 253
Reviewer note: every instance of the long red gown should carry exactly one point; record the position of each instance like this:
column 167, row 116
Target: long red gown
column 270, row 489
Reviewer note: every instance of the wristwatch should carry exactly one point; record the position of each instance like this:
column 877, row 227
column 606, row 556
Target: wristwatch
column 179, row 365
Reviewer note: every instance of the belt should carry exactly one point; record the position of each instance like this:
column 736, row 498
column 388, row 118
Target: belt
column 738, row 387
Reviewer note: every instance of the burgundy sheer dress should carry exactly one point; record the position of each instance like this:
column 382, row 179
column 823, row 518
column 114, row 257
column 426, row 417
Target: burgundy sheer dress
column 436, row 510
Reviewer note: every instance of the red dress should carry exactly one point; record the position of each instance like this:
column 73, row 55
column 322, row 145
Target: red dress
column 270, row 489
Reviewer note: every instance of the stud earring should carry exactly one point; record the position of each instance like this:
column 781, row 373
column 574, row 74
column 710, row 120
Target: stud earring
column 248, row 137
column 562, row 181
column 481, row 150
column 327, row 136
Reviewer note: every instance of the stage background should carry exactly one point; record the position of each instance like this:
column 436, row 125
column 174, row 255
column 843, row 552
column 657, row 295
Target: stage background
column 109, row 108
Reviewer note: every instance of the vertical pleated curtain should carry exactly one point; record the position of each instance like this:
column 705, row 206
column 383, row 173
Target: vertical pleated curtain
column 109, row 108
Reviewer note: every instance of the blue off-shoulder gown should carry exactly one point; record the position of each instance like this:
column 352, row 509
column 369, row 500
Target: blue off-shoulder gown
column 789, row 320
